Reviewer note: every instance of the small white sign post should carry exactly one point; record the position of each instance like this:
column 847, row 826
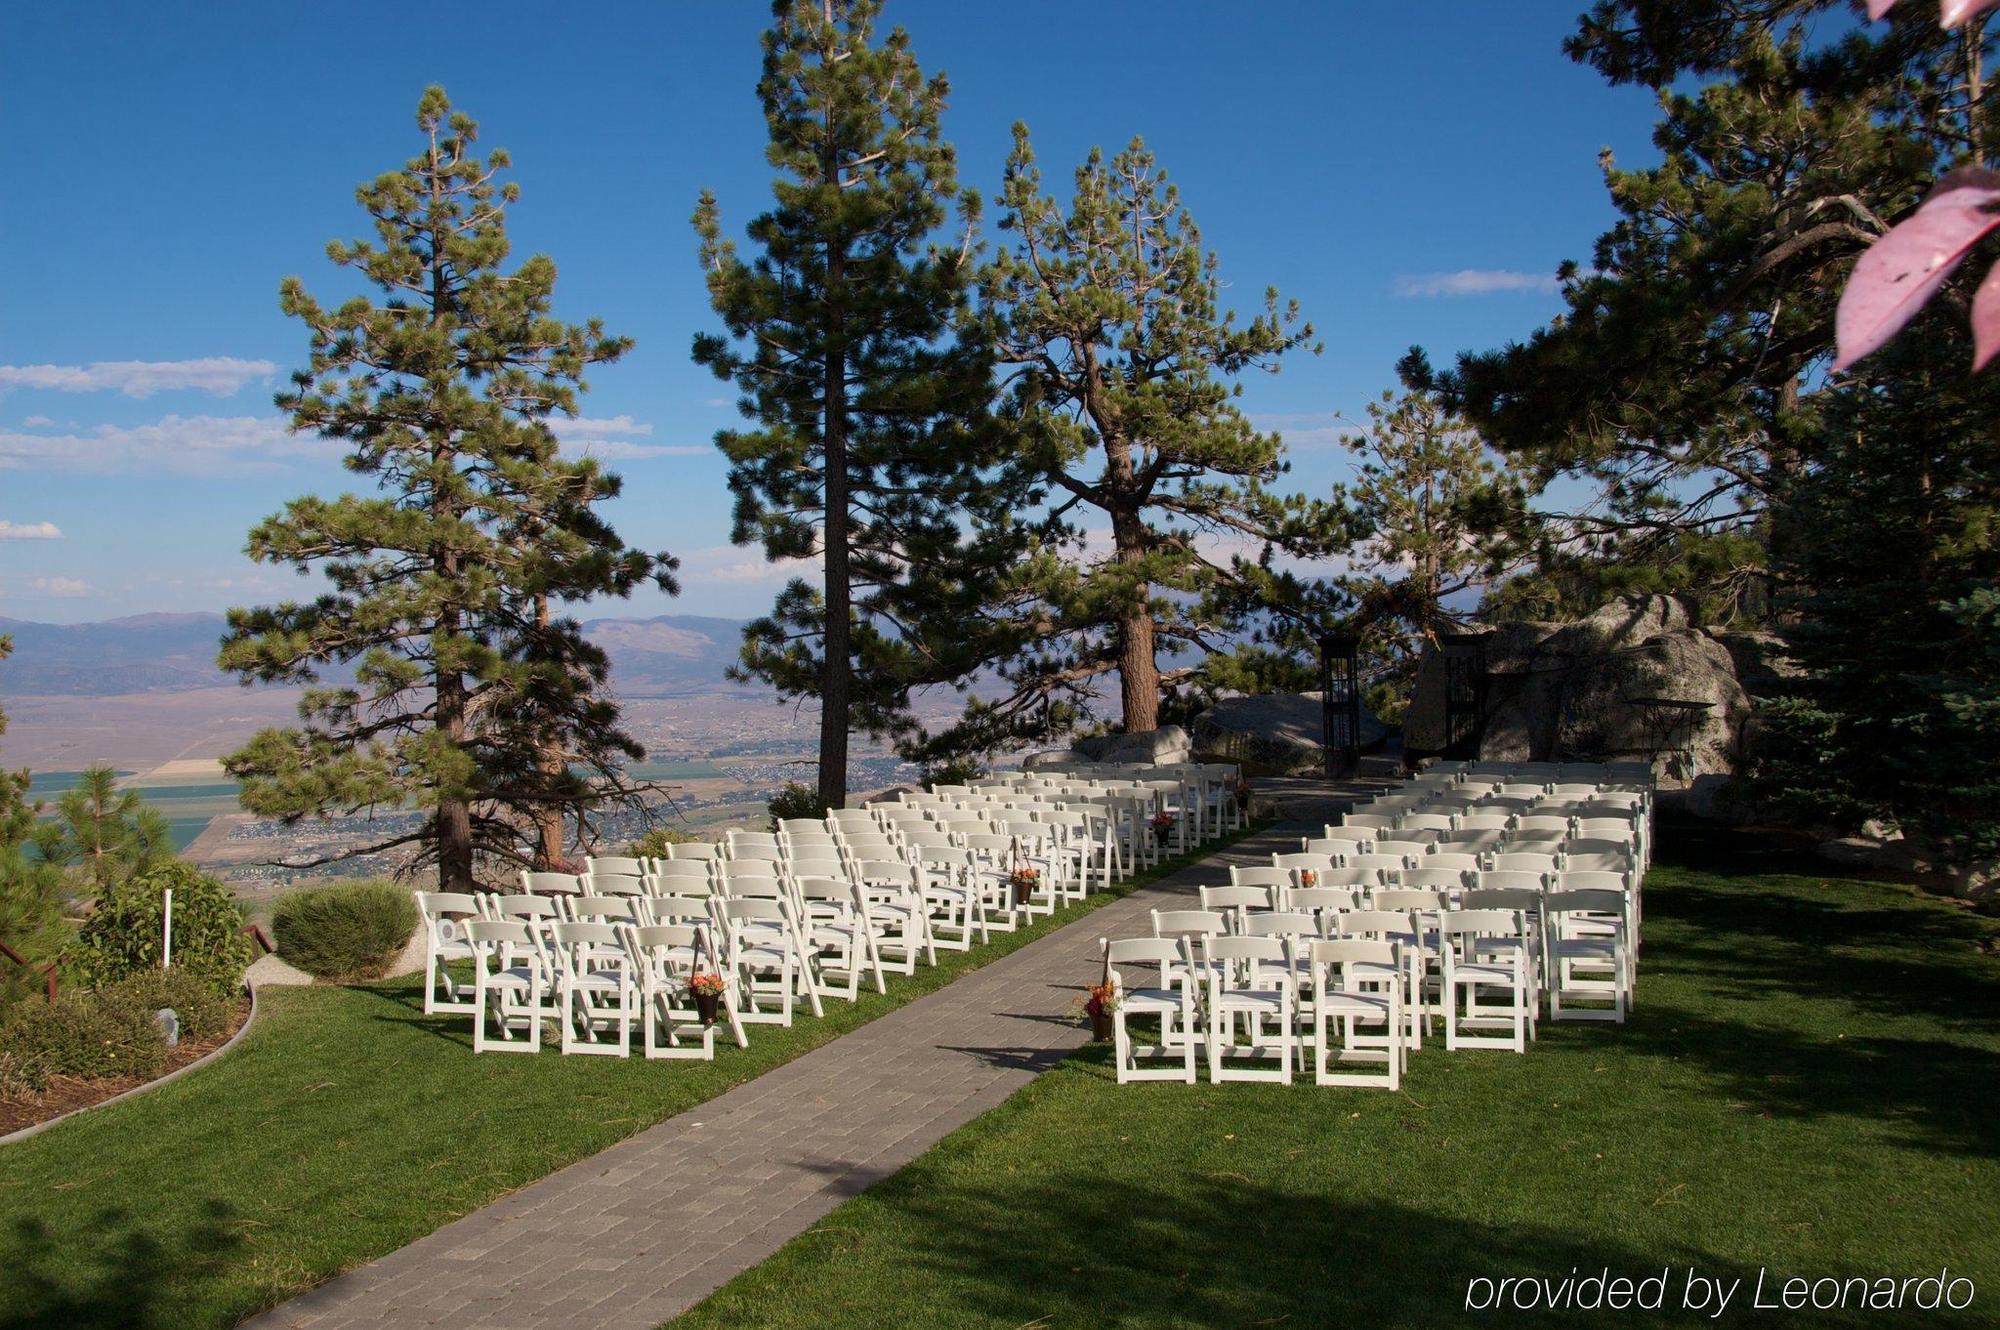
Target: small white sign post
column 167, row 932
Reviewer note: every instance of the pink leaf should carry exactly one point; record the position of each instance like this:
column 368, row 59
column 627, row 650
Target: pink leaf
column 1986, row 319
column 1877, row 8
column 1951, row 13
column 1900, row 271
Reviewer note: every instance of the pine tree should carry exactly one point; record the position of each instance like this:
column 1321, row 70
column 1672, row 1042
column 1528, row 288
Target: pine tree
column 1681, row 384
column 108, row 834
column 461, row 686
column 1889, row 550
column 848, row 337
column 1442, row 517
column 1123, row 394
column 31, row 921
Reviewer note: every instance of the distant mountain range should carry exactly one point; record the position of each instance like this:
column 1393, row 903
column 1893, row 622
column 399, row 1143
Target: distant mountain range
column 667, row 656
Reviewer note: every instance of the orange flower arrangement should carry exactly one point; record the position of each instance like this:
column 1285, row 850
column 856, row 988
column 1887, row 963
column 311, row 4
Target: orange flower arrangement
column 705, row 982
column 1307, row 877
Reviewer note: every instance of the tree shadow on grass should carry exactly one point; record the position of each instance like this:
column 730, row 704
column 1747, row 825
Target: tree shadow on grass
column 117, row 1273
column 454, row 1027
column 1222, row 1250
column 1928, row 1090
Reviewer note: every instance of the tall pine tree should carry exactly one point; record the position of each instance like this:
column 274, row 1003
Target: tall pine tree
column 31, row 921
column 1680, row 383
column 1443, row 520
column 461, row 684
column 1124, row 364
column 848, row 337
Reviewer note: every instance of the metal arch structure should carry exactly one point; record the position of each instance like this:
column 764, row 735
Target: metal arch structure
column 1464, row 657
column 1340, row 702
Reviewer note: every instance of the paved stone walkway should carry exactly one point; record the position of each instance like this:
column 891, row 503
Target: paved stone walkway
column 618, row 1241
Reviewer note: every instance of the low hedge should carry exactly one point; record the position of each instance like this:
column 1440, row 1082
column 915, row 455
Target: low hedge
column 352, row 930
column 201, row 1009
column 87, row 1034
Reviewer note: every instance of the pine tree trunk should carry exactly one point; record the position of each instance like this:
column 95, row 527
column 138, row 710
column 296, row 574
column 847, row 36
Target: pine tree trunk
column 837, row 667
column 549, row 827
column 454, row 815
column 1138, row 671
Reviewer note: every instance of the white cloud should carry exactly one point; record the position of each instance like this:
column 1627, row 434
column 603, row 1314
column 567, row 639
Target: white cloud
column 201, row 444
column 585, row 426
column 37, row 422
column 1473, row 282
column 220, row 375
column 739, row 565
column 611, row 439
column 1308, row 429
column 29, row 531
column 614, row 450
column 66, row 587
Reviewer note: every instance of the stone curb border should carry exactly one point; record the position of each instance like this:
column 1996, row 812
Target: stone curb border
column 137, row 1090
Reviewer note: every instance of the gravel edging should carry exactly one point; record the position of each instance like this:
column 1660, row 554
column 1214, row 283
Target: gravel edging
column 137, row 1090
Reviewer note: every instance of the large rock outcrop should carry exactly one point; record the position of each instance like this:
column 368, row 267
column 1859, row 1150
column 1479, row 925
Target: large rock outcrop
column 1275, row 732
column 1168, row 744
column 1580, row 690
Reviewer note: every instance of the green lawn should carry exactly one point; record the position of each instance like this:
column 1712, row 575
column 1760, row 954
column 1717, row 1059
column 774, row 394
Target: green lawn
column 1808, row 1085
column 346, row 1125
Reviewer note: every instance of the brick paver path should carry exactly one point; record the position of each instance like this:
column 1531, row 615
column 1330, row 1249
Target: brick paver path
column 617, row 1242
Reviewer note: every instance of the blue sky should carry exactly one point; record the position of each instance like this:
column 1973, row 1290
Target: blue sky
column 1411, row 174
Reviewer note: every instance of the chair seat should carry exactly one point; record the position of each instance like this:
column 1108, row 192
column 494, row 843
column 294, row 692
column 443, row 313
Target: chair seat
column 599, row 981
column 1256, row 999
column 1586, row 948
column 1357, row 1004
column 1151, row 999
column 519, row 977
column 1485, row 974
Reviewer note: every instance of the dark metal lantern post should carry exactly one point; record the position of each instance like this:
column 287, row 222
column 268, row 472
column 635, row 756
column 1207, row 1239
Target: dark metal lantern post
column 1464, row 692
column 1340, row 702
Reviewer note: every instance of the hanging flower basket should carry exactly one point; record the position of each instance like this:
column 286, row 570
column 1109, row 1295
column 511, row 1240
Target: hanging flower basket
column 1102, row 1002
column 705, row 987
column 1024, row 881
column 1163, row 824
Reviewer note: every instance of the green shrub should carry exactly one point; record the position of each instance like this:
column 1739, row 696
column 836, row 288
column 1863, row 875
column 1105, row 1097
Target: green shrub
column 122, row 934
column 796, row 800
column 653, row 845
column 957, row 771
column 202, row 1009
column 83, row 1035
column 349, row 931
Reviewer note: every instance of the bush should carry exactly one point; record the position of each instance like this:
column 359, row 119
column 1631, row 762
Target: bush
column 796, row 800
column 89, row 1034
column 956, row 771
column 653, row 845
column 122, row 934
column 349, row 931
column 203, row 1011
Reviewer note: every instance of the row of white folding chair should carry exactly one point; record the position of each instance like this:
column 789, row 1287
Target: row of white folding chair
column 1542, row 857
column 1329, row 893
column 776, row 906
column 1305, row 985
column 590, row 978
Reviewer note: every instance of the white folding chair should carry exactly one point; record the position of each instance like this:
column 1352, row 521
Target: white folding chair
column 444, row 915
column 1170, row 1000
column 1357, row 984
column 1250, row 979
column 595, row 987
column 1488, row 980
column 510, row 979
column 1587, row 955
